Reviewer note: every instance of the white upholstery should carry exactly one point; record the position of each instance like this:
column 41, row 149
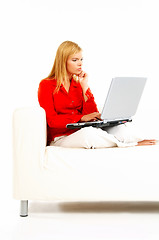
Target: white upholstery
column 63, row 174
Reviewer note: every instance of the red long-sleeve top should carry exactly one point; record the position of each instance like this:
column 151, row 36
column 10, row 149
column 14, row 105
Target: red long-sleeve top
column 63, row 107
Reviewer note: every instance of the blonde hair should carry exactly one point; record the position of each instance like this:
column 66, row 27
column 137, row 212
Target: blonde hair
column 59, row 71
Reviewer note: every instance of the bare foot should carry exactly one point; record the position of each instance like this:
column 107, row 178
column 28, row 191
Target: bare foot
column 147, row 142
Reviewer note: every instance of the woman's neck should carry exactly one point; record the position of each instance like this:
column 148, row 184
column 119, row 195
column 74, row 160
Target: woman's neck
column 69, row 76
column 67, row 80
column 67, row 84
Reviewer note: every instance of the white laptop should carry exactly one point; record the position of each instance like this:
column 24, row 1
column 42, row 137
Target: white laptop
column 121, row 103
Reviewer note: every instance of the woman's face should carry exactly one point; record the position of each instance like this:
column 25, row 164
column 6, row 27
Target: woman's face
column 74, row 64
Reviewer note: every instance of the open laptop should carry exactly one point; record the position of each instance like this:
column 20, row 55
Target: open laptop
column 121, row 103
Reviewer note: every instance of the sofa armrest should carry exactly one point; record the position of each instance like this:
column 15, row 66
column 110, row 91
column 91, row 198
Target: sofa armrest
column 29, row 142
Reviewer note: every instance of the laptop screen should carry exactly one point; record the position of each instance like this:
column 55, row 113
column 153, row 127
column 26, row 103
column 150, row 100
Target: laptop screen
column 123, row 98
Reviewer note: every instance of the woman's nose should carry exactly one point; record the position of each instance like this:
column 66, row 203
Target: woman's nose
column 80, row 63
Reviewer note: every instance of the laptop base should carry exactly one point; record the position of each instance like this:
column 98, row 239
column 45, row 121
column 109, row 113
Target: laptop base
column 97, row 124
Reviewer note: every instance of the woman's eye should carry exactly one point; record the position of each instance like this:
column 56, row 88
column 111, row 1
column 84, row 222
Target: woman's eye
column 74, row 60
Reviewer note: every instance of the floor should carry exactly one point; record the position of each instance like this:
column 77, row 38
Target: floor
column 80, row 221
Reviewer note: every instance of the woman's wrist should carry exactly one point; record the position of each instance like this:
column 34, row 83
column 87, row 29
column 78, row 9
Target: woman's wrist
column 83, row 79
column 84, row 88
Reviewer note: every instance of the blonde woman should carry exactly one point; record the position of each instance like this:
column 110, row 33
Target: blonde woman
column 66, row 98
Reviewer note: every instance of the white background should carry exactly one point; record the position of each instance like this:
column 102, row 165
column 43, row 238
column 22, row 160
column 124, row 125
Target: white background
column 118, row 38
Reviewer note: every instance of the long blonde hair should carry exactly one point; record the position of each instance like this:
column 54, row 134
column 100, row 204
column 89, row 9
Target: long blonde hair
column 59, row 71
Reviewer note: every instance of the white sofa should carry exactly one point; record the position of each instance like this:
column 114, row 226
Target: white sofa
column 50, row 173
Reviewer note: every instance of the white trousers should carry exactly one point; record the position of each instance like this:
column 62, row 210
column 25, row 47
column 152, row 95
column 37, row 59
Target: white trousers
column 90, row 137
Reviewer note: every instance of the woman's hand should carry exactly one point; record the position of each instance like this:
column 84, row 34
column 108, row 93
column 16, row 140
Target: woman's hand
column 91, row 117
column 83, row 79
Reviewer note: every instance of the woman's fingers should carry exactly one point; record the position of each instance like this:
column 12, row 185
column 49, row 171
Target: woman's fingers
column 95, row 116
column 91, row 117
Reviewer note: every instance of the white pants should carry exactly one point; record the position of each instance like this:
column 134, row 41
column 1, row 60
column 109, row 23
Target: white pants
column 90, row 137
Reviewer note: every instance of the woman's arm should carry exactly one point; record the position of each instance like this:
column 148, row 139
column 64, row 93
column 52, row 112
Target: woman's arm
column 83, row 79
column 45, row 97
column 89, row 105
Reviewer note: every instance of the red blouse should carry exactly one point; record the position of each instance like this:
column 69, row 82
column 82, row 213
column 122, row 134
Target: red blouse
column 63, row 107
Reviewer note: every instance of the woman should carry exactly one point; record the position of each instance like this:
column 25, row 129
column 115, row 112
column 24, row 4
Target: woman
column 67, row 98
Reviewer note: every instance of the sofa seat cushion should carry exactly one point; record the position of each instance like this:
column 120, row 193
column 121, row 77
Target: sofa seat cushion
column 105, row 174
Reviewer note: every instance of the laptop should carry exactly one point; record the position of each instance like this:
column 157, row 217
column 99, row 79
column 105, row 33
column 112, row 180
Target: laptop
column 120, row 105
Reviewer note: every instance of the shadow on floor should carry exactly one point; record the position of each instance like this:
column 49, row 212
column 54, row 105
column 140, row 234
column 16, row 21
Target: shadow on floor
column 94, row 207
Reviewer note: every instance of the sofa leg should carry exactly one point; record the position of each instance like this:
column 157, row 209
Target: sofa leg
column 24, row 208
